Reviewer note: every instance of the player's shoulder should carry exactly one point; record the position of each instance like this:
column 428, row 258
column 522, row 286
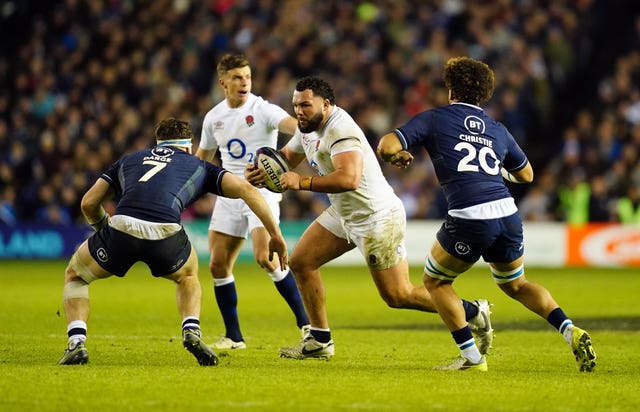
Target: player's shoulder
column 341, row 123
column 134, row 156
column 214, row 114
column 258, row 102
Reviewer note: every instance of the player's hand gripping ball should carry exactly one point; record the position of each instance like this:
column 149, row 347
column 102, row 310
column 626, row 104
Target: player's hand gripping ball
column 274, row 165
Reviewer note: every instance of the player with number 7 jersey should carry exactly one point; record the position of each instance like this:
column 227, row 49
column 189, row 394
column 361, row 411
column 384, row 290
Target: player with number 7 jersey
column 152, row 187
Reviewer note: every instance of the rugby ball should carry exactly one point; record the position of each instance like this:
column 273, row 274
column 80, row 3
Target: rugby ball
column 274, row 165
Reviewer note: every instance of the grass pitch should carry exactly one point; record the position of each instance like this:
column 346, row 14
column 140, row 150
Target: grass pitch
column 383, row 362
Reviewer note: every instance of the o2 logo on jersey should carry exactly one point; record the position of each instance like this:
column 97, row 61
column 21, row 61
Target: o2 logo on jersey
column 236, row 148
column 474, row 124
column 162, row 151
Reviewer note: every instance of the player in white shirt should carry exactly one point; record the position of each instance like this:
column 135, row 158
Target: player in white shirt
column 237, row 126
column 364, row 213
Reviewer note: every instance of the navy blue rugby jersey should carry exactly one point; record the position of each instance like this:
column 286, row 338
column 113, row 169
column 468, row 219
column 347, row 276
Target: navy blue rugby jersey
column 157, row 184
column 467, row 148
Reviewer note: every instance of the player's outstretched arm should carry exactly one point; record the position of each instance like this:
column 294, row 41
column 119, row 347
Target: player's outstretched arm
column 235, row 187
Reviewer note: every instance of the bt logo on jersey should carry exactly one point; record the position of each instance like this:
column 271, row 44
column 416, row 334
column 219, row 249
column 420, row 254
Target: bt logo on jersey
column 474, row 124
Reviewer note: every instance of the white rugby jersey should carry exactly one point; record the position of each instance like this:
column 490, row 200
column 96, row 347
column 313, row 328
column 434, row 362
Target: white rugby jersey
column 238, row 132
column 341, row 134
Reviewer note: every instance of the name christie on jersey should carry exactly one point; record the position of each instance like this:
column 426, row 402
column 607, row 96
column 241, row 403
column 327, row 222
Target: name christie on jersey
column 476, row 139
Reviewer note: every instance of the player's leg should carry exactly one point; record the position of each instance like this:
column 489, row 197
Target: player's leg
column 188, row 288
column 224, row 250
column 441, row 270
column 381, row 241
column 189, row 300
column 81, row 270
column 511, row 279
column 316, row 246
column 283, row 280
column 227, row 231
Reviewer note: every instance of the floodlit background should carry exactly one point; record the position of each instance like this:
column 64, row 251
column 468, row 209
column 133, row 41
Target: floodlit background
column 83, row 82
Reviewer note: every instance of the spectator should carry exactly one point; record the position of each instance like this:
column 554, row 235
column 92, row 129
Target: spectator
column 628, row 207
column 86, row 73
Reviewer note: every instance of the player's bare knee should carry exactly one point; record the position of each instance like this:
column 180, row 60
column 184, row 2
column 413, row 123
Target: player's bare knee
column 75, row 289
column 296, row 265
column 218, row 270
column 512, row 289
column 77, row 278
column 396, row 299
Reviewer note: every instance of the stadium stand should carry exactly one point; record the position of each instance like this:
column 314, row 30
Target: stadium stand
column 83, row 81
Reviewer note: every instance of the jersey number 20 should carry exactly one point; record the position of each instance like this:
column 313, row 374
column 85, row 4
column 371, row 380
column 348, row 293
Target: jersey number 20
column 464, row 165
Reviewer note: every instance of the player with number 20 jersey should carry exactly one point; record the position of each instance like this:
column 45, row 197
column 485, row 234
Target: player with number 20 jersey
column 468, row 149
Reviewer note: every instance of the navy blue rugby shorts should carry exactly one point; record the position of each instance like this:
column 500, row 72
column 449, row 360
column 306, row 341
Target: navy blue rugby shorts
column 496, row 240
column 117, row 251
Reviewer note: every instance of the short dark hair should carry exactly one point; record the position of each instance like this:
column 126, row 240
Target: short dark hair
column 231, row 61
column 318, row 86
column 470, row 81
column 173, row 129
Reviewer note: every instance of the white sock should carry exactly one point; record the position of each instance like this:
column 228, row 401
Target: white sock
column 278, row 274
column 566, row 329
column 223, row 281
column 470, row 351
column 74, row 339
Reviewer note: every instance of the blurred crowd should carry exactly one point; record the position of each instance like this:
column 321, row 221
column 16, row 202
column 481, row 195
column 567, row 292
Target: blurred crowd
column 84, row 82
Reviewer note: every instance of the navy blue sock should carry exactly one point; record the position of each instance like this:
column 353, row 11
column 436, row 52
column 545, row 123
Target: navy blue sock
column 322, row 336
column 289, row 291
column 470, row 310
column 462, row 335
column 556, row 318
column 227, row 300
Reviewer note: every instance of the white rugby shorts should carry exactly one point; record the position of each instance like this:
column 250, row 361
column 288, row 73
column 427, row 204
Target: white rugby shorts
column 233, row 217
column 380, row 237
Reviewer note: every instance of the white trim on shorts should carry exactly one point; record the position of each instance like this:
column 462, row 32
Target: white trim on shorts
column 489, row 210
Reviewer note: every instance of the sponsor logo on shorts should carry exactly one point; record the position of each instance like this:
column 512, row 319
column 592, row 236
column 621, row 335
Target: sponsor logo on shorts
column 174, row 267
column 462, row 248
column 102, row 255
column 372, row 259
